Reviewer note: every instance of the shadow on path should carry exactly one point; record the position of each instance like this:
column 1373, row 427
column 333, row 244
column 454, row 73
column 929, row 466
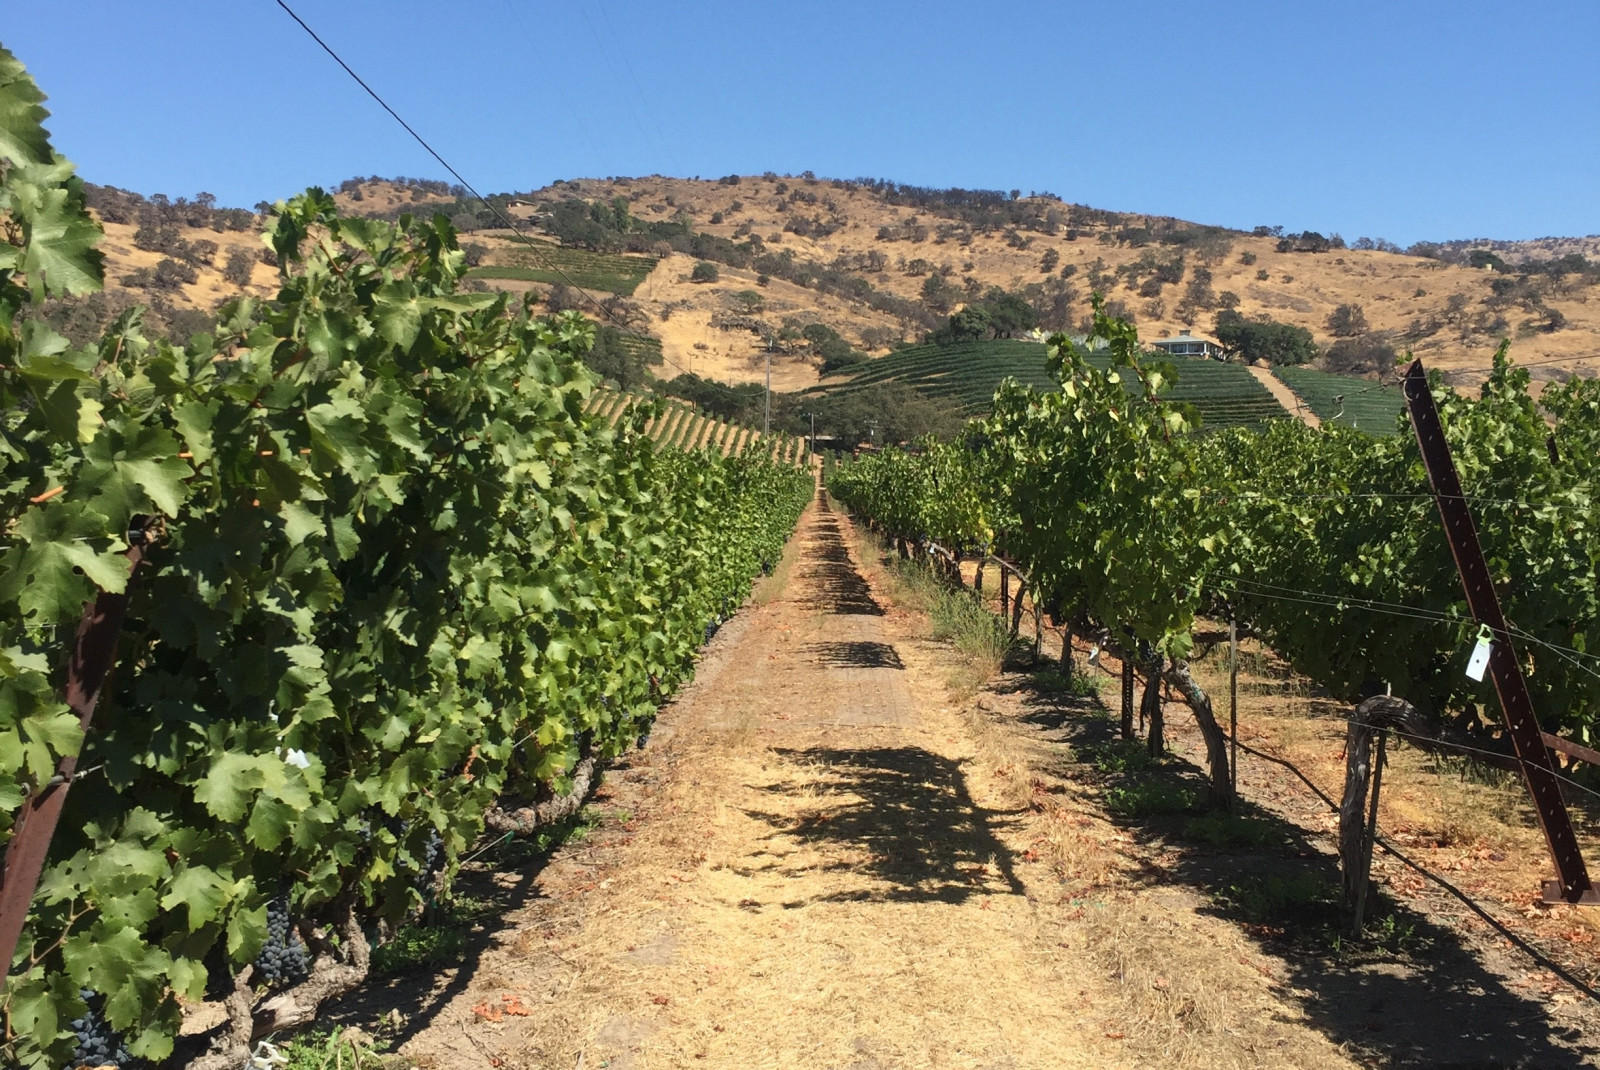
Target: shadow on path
column 856, row 655
column 899, row 817
column 835, row 585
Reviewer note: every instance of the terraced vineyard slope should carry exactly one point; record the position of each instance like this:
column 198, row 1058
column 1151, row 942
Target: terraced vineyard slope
column 682, row 427
column 1344, row 399
column 967, row 375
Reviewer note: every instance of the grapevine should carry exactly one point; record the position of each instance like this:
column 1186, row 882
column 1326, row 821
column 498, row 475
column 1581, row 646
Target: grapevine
column 1136, row 521
column 398, row 574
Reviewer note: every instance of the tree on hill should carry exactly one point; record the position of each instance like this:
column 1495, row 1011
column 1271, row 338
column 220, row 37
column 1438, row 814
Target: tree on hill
column 938, row 294
column 835, row 352
column 1347, row 321
column 998, row 315
column 241, row 262
column 705, row 271
column 884, row 413
column 614, row 357
column 1264, row 339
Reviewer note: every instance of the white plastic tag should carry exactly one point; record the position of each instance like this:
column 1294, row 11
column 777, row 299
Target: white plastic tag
column 1479, row 662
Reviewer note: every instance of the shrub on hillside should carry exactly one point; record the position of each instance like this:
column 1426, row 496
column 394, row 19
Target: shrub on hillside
column 1347, row 321
column 1366, row 355
column 705, row 271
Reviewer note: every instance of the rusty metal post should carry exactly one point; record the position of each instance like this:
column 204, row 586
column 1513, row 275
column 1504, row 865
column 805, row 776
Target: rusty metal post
column 94, row 653
column 1505, row 668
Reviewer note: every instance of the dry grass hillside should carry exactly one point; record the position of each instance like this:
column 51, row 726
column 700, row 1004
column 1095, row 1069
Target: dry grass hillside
column 1422, row 304
column 1446, row 313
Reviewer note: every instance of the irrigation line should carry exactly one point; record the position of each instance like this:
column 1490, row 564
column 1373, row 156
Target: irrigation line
column 1495, row 923
column 509, row 224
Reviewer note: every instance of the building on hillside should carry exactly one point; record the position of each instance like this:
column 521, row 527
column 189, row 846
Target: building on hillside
column 1187, row 345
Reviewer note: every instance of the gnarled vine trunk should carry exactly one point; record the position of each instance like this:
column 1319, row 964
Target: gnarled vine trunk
column 1183, row 681
column 523, row 820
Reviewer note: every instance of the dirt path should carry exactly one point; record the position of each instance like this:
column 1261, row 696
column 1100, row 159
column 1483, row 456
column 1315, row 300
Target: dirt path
column 1286, row 397
column 822, row 860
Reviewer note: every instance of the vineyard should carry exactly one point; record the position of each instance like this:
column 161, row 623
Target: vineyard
column 682, row 427
column 376, row 576
column 968, row 374
column 1325, row 545
column 1357, row 403
column 551, row 263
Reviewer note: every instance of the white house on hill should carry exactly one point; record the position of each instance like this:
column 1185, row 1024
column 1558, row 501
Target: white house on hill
column 1187, row 345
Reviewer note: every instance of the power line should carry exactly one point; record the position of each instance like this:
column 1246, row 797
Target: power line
column 509, row 224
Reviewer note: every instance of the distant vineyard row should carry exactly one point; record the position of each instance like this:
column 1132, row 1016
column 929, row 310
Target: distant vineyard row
column 681, row 427
column 549, row 263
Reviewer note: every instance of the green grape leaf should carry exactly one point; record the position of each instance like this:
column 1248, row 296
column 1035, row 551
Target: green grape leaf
column 23, row 139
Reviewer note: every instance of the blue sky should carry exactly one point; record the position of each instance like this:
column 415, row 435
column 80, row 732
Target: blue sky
column 1402, row 120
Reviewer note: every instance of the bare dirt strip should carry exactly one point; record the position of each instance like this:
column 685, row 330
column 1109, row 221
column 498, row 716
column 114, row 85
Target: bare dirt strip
column 1285, row 397
column 824, row 858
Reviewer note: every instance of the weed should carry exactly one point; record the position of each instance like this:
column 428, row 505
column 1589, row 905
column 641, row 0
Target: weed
column 325, row 1049
column 434, row 940
column 957, row 617
column 1227, row 830
column 1149, row 798
column 1277, row 898
column 1118, row 757
column 1394, row 934
column 1053, row 682
column 514, row 852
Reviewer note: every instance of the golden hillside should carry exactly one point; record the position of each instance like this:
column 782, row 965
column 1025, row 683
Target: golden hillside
column 1434, row 309
column 1448, row 314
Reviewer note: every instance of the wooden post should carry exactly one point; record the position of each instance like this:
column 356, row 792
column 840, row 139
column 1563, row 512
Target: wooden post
column 1151, row 708
column 1371, row 838
column 1005, row 592
column 1127, row 697
column 1233, row 706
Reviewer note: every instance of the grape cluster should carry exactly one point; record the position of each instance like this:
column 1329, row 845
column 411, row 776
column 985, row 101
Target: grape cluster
column 284, row 960
column 430, row 852
column 98, row 1043
column 432, row 862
